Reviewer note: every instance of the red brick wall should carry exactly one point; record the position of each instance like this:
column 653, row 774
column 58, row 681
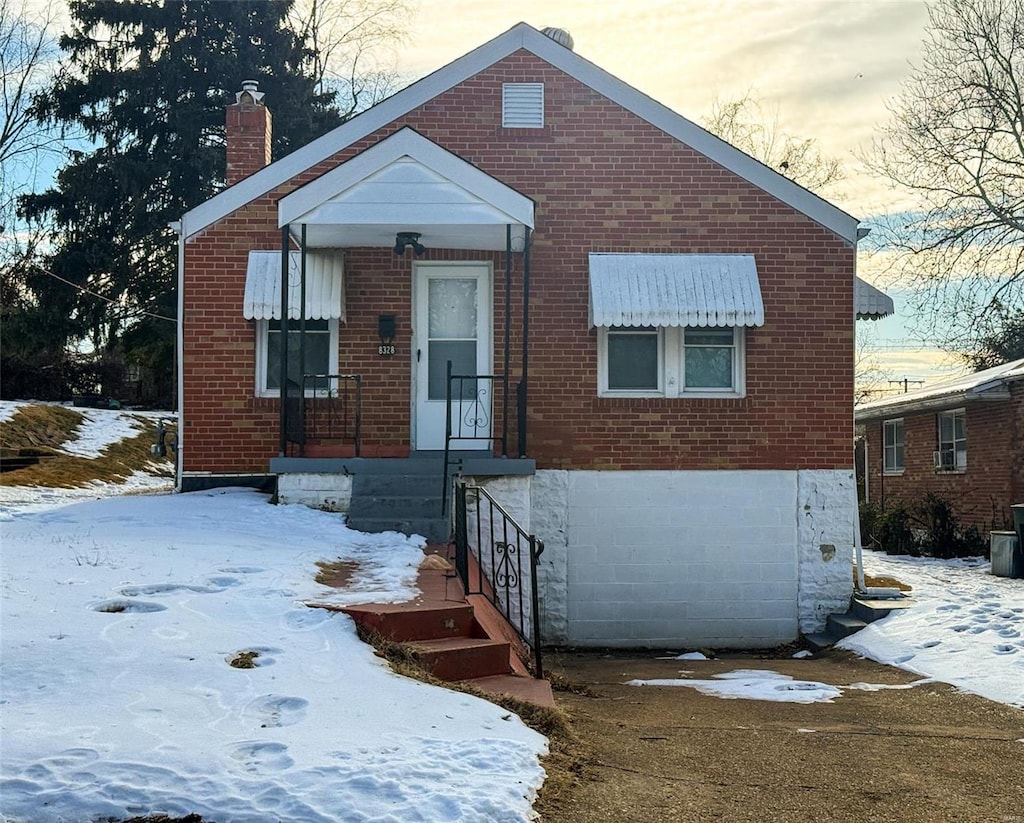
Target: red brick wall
column 993, row 479
column 603, row 180
column 249, row 134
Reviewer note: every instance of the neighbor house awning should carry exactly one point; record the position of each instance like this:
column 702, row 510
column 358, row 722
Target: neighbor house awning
column 674, row 290
column 870, row 303
column 325, row 286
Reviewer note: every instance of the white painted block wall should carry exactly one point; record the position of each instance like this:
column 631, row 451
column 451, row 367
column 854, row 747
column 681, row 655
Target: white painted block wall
column 689, row 559
column 328, row 491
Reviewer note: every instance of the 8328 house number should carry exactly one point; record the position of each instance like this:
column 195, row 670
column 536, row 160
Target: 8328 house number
column 385, row 349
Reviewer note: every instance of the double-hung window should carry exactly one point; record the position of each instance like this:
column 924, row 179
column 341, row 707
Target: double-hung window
column 670, row 362
column 952, row 431
column 321, row 356
column 892, row 446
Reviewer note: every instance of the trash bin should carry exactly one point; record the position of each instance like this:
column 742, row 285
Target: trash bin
column 1005, row 554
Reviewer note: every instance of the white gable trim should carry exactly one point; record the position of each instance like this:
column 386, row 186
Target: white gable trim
column 505, row 204
column 521, row 36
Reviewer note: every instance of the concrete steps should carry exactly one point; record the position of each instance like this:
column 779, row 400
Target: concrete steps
column 402, row 495
column 862, row 611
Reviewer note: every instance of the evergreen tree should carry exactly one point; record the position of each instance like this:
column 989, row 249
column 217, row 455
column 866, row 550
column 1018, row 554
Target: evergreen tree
column 147, row 82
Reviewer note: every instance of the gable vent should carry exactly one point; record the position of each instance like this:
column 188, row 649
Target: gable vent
column 522, row 105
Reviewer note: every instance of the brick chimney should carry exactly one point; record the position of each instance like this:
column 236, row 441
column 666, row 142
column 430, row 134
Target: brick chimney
column 248, row 133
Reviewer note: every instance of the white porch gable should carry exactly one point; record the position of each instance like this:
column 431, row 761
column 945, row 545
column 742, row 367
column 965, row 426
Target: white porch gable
column 407, row 183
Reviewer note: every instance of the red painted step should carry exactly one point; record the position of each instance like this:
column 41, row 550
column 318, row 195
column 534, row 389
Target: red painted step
column 529, row 689
column 462, row 658
column 403, row 622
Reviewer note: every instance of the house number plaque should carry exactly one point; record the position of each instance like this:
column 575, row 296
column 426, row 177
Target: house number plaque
column 386, row 349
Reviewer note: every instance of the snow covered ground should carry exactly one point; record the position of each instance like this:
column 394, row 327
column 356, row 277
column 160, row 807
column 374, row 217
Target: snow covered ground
column 117, row 698
column 967, row 628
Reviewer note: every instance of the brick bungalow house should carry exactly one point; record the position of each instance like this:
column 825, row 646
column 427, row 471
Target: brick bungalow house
column 654, row 334
column 962, row 439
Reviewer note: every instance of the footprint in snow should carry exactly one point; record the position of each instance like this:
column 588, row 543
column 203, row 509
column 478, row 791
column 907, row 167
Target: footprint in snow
column 948, row 607
column 241, row 570
column 929, row 644
column 960, row 627
column 1002, row 648
column 903, row 658
column 1009, row 632
column 257, row 756
column 122, row 606
column 275, row 710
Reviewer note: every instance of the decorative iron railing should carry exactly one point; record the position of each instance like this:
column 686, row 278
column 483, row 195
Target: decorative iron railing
column 506, row 558
column 327, row 412
column 475, row 403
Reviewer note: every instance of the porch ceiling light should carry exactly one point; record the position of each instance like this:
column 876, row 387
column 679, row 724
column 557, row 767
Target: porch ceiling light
column 409, row 238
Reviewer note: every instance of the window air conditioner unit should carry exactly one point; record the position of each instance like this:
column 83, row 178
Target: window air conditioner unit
column 945, row 459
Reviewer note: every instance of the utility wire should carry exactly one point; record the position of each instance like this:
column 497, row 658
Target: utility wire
column 100, row 296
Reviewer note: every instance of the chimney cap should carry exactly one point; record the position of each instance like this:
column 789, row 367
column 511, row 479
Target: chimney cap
column 250, row 92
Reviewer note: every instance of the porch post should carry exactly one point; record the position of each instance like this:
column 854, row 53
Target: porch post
column 302, row 341
column 283, row 393
column 522, row 395
column 508, row 337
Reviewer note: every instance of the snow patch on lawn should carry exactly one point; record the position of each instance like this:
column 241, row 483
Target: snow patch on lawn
column 120, row 620
column 754, row 684
column 966, row 627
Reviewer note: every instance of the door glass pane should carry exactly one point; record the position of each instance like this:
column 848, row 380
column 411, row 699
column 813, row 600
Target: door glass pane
column 462, row 353
column 633, row 361
column 452, row 308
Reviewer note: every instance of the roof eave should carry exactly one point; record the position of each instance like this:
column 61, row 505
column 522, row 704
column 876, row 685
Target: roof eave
column 897, row 408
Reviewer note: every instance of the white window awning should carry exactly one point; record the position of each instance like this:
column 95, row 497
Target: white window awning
column 674, row 290
column 870, row 303
column 325, row 286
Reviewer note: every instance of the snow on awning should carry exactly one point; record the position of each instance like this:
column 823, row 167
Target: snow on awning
column 674, row 290
column 870, row 303
column 325, row 286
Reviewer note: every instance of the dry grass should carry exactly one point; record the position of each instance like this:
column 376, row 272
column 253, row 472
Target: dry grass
column 336, row 574
column 876, row 582
column 43, row 429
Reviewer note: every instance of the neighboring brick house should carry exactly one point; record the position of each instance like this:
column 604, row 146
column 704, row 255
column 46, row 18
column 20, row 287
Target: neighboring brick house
column 675, row 321
column 962, row 439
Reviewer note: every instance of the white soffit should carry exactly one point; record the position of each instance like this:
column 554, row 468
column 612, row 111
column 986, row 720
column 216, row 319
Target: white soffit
column 870, row 303
column 405, row 180
column 520, row 36
column 325, row 286
column 675, row 290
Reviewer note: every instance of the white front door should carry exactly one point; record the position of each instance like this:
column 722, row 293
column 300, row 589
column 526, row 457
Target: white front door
column 453, row 323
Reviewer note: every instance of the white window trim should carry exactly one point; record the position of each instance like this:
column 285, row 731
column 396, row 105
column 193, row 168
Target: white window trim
column 262, row 328
column 671, row 377
column 891, row 472
column 956, row 469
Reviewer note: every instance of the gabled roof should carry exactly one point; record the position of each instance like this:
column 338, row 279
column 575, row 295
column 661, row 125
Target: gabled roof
column 989, row 384
column 521, row 36
column 674, row 290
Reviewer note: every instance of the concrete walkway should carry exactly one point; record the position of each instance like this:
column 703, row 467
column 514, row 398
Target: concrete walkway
column 926, row 753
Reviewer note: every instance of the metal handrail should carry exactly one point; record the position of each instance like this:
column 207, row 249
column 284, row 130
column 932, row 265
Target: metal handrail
column 500, row 572
column 474, row 416
column 330, row 413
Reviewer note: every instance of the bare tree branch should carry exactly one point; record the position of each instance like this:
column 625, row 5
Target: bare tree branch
column 746, row 125
column 955, row 142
